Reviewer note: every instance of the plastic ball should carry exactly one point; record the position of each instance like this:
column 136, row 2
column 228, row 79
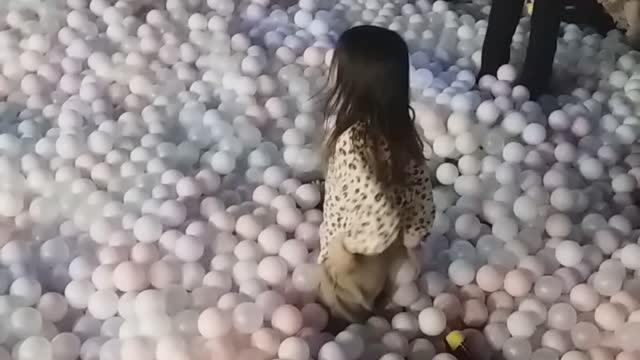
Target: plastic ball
column 569, row 253
column 516, row 349
column 332, row 351
column 247, row 318
column 287, row 319
column 461, row 272
column 294, row 348
column 561, row 316
column 521, row 324
column 432, row 321
column 214, row 323
column 609, row 316
column 490, row 278
column 517, row 282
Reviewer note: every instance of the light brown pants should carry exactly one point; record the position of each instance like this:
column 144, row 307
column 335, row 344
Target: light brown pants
column 632, row 11
column 354, row 287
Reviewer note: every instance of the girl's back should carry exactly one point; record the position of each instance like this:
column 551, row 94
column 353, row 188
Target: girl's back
column 373, row 213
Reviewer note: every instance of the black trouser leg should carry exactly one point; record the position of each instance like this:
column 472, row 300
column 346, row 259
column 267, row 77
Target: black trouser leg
column 543, row 41
column 503, row 20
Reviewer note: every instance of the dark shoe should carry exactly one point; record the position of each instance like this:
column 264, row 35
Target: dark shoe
column 336, row 326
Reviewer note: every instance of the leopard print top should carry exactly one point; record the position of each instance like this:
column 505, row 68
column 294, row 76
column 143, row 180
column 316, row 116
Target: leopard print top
column 366, row 217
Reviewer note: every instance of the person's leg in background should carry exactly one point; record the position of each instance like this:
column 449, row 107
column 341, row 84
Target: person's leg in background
column 503, row 20
column 543, row 41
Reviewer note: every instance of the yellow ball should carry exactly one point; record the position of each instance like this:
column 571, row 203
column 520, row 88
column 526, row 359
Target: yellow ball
column 530, row 7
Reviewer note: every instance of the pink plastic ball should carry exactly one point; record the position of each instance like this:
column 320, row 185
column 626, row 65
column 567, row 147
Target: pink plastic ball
column 287, row 319
column 306, row 277
column 610, row 316
column 267, row 341
column 247, row 318
column 294, row 348
column 518, row 282
column 490, row 278
column 271, row 239
column 273, row 270
column 214, row 323
column 294, row 252
column 249, row 227
column 314, row 316
column 269, row 301
column 129, row 276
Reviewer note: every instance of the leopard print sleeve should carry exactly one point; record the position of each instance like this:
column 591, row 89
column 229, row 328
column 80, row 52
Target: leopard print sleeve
column 418, row 208
column 357, row 209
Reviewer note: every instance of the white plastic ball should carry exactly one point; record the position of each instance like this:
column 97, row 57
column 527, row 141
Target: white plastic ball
column 432, row 321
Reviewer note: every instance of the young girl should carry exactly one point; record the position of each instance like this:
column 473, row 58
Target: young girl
column 378, row 201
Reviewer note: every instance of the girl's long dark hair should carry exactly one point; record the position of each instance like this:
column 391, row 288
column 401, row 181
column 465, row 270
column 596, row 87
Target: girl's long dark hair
column 369, row 87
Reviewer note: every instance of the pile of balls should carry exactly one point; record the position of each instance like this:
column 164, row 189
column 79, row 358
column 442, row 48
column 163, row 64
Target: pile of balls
column 155, row 203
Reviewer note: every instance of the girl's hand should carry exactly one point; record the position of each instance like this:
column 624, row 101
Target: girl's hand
column 338, row 258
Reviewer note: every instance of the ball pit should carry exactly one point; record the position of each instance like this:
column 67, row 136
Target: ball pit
column 155, row 204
